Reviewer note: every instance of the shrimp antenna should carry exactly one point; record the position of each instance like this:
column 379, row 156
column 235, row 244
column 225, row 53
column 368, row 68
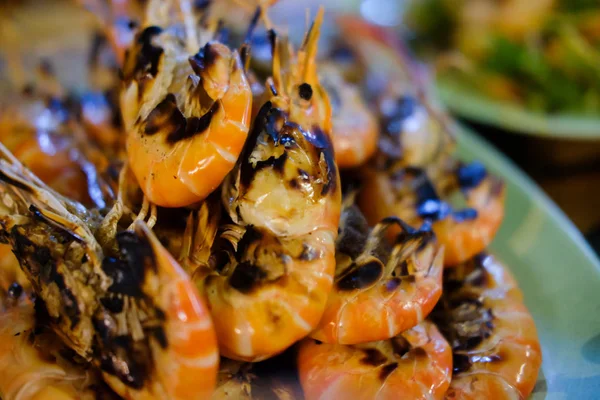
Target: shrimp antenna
column 310, row 47
column 277, row 78
column 246, row 47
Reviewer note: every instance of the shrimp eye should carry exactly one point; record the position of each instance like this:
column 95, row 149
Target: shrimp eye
column 305, row 91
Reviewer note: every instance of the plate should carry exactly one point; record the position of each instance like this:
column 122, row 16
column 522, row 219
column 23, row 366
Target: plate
column 476, row 107
column 558, row 273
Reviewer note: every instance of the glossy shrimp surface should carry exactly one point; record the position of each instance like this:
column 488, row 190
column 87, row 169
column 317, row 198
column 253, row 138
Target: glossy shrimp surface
column 497, row 353
column 185, row 357
column 411, row 195
column 135, row 314
column 272, row 267
column 187, row 112
column 416, row 364
column 355, row 128
column 379, row 289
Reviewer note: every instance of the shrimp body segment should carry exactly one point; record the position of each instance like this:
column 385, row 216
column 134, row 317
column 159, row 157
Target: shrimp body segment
column 380, row 291
column 497, row 353
column 411, row 195
column 187, row 114
column 272, row 268
column 416, row 364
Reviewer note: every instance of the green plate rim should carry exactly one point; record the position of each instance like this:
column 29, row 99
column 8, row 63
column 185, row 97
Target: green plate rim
column 478, row 108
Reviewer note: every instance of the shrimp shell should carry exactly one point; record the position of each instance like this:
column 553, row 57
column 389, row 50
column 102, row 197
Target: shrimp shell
column 497, row 353
column 416, row 364
column 380, row 290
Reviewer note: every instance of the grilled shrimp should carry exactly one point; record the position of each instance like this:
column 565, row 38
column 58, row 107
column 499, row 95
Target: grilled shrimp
column 187, row 114
column 355, row 130
column 380, row 290
column 496, row 350
column 412, row 196
column 417, row 364
column 271, row 268
column 27, row 373
column 134, row 314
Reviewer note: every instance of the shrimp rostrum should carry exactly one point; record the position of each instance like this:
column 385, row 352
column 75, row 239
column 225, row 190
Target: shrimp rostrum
column 271, row 269
column 134, row 314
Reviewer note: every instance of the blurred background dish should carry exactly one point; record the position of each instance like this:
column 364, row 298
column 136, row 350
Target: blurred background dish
column 526, row 65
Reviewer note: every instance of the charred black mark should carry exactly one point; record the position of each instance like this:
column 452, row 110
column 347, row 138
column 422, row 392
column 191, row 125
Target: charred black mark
column 122, row 360
column 418, row 352
column 201, row 5
column 69, row 302
column 13, row 182
column 124, row 279
column 373, row 357
column 166, row 115
column 40, row 263
column 251, row 235
column 354, row 232
column 114, row 304
column 362, row 276
column 276, row 164
column 460, row 363
column 305, row 91
column 471, row 175
column 205, row 58
column 387, row 369
column 400, row 345
column 246, row 168
column 128, row 271
column 246, row 277
column 273, row 40
column 159, row 334
column 15, row 290
column 194, row 126
column 148, row 56
column 393, row 284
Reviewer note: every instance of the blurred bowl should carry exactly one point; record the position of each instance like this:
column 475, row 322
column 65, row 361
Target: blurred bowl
column 512, row 118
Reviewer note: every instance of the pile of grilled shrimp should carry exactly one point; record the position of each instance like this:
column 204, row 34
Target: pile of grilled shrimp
column 226, row 214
